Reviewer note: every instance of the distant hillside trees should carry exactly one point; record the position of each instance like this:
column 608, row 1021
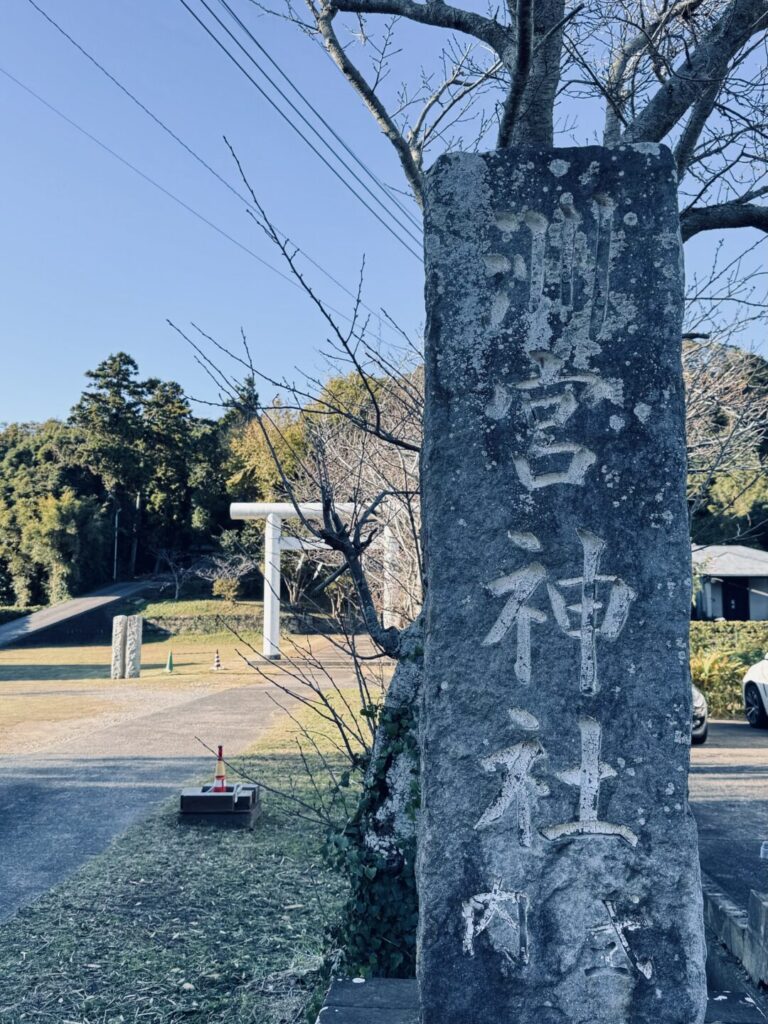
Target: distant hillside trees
column 727, row 428
column 54, row 534
column 131, row 465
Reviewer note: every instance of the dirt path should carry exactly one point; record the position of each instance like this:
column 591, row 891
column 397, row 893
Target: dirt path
column 54, row 698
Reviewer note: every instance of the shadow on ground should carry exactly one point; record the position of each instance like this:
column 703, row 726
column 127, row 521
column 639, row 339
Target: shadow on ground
column 56, row 812
column 30, row 673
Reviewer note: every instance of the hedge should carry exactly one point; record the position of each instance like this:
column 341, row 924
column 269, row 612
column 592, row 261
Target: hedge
column 721, row 652
column 9, row 612
column 206, row 624
column 729, row 636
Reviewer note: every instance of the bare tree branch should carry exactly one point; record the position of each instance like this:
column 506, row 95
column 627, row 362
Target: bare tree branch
column 708, row 63
column 520, row 72
column 439, row 15
column 538, row 78
column 723, row 216
column 700, row 112
column 324, row 17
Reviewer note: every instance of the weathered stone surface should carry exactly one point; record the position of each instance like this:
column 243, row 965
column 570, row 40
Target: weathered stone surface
column 126, row 646
column 119, row 630
column 558, row 871
column 133, row 647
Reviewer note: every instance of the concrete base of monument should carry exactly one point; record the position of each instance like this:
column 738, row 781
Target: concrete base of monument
column 378, row 1001
column 395, row 1001
column 237, row 806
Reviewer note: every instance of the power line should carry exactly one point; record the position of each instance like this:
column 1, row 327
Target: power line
column 311, row 127
column 323, row 141
column 298, row 131
column 196, row 156
column 385, row 188
column 159, row 187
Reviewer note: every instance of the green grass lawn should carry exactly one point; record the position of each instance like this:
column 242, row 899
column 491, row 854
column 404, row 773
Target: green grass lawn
column 210, row 615
column 201, row 607
column 177, row 923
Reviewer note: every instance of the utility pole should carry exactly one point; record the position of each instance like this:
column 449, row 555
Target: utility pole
column 114, row 558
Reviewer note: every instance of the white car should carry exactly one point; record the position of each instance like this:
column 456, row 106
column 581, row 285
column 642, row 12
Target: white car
column 755, row 689
column 699, row 716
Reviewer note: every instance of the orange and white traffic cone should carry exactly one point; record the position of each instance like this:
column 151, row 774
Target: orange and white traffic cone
column 216, row 662
column 220, row 779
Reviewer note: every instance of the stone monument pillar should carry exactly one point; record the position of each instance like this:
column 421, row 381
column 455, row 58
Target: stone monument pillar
column 126, row 646
column 558, row 870
column 119, row 629
column 133, row 647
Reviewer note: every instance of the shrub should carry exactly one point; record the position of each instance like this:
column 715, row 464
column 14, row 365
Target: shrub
column 228, row 589
column 721, row 652
column 749, row 638
column 10, row 612
column 377, row 929
column 718, row 675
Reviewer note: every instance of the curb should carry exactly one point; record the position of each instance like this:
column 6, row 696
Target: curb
column 396, row 1001
column 743, row 933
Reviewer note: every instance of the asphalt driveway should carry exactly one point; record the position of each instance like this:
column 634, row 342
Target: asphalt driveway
column 28, row 625
column 59, row 808
column 729, row 796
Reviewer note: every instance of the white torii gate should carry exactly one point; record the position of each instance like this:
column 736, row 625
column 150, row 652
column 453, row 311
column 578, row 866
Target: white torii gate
column 275, row 512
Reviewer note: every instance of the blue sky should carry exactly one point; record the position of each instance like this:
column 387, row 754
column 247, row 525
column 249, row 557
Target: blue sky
column 94, row 259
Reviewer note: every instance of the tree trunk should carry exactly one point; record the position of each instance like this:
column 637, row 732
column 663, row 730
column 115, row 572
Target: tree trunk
column 378, row 848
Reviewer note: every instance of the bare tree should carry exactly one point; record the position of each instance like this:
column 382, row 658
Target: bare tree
column 726, row 382
column 687, row 72
column 727, row 417
column 351, row 462
column 180, row 566
column 226, row 572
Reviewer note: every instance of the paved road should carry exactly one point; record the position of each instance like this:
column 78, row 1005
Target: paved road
column 28, row 624
column 729, row 796
column 59, row 808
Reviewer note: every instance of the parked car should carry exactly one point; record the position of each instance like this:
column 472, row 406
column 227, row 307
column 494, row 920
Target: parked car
column 755, row 690
column 699, row 725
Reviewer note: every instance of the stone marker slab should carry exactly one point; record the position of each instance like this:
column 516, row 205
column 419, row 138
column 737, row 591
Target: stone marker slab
column 376, row 993
column 558, row 871
column 126, row 646
column 376, row 1001
column 133, row 647
column 119, row 630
